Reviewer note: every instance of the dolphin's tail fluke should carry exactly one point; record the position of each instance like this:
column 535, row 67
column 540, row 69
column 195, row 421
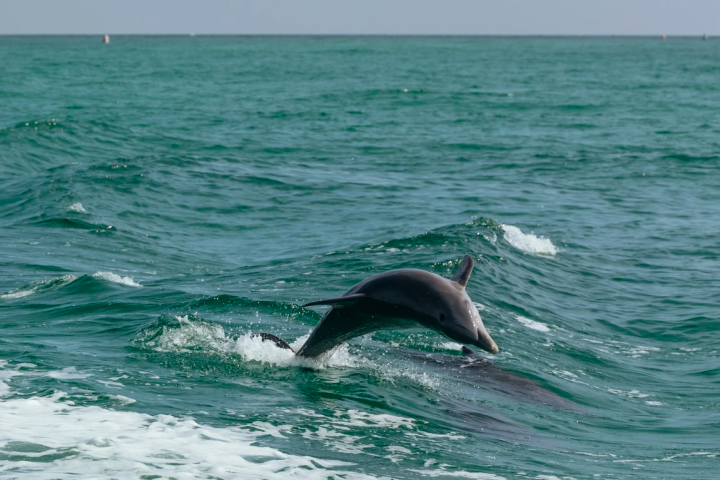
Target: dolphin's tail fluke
column 279, row 342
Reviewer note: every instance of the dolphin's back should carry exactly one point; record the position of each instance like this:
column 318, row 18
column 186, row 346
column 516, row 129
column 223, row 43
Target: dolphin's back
column 392, row 300
column 415, row 289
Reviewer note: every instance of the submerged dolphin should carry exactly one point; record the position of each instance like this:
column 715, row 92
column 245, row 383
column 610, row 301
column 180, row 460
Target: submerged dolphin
column 399, row 299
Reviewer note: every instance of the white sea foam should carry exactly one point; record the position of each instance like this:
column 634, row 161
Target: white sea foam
column 635, row 352
column 211, row 338
column 76, row 207
column 254, row 348
column 349, row 431
column 540, row 327
column 123, row 399
column 528, row 242
column 451, row 346
column 111, row 384
column 458, row 473
column 4, row 375
column 93, row 442
column 690, row 454
column 449, row 436
column 27, row 370
column 38, row 286
column 111, row 277
column 193, row 335
column 397, row 453
column 88, row 442
column 628, row 394
column 17, row 294
column 69, row 373
column 391, row 374
column 356, row 418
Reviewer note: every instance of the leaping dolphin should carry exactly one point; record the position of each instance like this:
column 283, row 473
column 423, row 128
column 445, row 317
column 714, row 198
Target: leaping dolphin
column 399, row 299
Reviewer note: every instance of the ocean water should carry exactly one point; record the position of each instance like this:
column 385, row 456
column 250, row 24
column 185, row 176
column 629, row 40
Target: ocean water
column 164, row 197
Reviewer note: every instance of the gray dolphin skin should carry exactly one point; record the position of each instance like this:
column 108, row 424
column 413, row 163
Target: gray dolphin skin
column 399, row 299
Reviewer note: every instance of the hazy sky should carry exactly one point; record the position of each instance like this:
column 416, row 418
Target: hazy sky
column 584, row 17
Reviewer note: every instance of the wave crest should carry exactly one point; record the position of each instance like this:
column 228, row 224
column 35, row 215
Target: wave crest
column 39, row 286
column 191, row 334
column 111, row 277
column 51, row 437
column 528, row 242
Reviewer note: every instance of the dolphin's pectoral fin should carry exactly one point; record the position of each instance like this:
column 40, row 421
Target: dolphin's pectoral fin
column 279, row 342
column 462, row 275
column 338, row 302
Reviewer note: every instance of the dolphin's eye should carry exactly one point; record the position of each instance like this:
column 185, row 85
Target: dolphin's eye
column 442, row 317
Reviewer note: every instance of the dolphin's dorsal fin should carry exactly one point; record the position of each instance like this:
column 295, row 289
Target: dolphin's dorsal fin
column 462, row 275
column 338, row 302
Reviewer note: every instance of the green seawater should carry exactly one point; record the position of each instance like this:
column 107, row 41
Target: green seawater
column 164, row 197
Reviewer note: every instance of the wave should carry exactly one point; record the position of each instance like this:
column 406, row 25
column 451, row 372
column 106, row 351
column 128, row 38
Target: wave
column 187, row 341
column 42, row 286
column 39, row 286
column 480, row 147
column 450, row 237
column 449, row 243
column 189, row 333
column 111, row 277
column 41, row 124
column 290, row 311
column 75, row 223
column 691, row 158
column 52, row 437
column 59, row 434
column 209, row 345
column 540, row 327
column 76, row 207
column 529, row 242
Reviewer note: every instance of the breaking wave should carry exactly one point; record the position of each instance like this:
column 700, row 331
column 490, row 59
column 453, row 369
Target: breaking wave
column 529, row 242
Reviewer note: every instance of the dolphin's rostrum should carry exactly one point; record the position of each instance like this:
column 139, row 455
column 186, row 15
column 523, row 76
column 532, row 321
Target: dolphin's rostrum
column 399, row 299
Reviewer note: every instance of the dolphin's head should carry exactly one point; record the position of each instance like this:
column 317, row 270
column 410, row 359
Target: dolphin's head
column 457, row 316
column 460, row 321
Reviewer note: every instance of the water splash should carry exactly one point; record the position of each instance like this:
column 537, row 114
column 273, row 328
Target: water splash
column 111, row 277
column 529, row 242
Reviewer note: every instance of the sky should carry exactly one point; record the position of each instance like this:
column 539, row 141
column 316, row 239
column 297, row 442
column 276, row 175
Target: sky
column 389, row 17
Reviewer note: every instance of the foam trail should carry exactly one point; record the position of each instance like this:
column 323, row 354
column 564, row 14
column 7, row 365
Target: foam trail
column 111, row 277
column 92, row 442
column 528, row 242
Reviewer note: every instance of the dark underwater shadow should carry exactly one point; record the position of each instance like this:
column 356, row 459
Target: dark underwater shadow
column 485, row 374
